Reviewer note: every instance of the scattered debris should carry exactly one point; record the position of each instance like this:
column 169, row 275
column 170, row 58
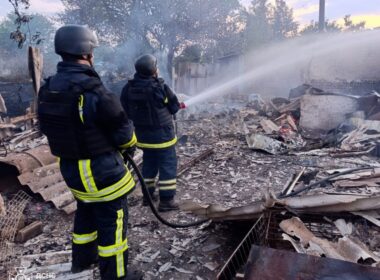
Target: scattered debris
column 371, row 215
column 29, row 232
column 194, row 161
column 268, row 126
column 165, row 267
column 347, row 248
column 246, row 170
column 267, row 144
column 344, row 227
column 211, row 266
column 210, row 247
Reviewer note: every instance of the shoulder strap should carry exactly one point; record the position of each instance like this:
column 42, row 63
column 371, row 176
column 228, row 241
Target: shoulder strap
column 161, row 84
column 90, row 84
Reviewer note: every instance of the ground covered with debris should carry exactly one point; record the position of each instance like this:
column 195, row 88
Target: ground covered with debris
column 242, row 156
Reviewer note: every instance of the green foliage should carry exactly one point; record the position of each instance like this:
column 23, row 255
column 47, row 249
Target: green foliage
column 23, row 33
column 15, row 59
column 266, row 22
column 333, row 26
column 167, row 26
column 313, row 27
column 39, row 25
column 191, row 53
column 350, row 26
column 284, row 25
column 259, row 29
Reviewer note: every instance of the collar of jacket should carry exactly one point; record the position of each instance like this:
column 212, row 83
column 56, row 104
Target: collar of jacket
column 73, row 67
column 139, row 77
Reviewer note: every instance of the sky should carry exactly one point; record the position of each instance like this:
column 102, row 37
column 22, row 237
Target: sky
column 304, row 10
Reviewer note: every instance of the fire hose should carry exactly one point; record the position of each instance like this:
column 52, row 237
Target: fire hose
column 150, row 201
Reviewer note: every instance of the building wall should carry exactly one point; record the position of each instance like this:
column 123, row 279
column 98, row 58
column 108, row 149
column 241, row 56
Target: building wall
column 193, row 78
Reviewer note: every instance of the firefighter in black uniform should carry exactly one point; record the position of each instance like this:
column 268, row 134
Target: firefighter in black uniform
column 88, row 129
column 151, row 104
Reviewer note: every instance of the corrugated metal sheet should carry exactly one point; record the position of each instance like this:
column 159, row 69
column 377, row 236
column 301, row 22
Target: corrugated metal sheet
column 39, row 170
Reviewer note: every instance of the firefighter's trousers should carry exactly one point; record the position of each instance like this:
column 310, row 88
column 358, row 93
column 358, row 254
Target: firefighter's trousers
column 100, row 233
column 162, row 162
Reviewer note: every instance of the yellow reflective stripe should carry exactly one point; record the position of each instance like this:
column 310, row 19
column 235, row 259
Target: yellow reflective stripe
column 82, row 168
column 130, row 143
column 165, row 182
column 167, row 188
column 109, row 251
column 166, row 101
column 80, row 108
column 91, row 177
column 86, row 175
column 157, row 146
column 125, row 189
column 84, row 238
column 119, row 240
column 106, row 191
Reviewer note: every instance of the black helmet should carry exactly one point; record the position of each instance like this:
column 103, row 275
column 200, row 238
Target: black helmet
column 75, row 40
column 146, row 65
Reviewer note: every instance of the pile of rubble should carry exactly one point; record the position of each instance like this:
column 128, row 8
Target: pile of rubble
column 327, row 144
column 312, row 119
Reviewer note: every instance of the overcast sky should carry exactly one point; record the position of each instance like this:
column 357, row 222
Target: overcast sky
column 304, row 10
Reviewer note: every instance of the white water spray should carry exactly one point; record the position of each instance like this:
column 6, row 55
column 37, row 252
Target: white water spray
column 295, row 54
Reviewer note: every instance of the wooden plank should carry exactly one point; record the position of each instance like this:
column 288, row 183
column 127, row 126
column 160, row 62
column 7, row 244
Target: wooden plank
column 269, row 126
column 29, row 231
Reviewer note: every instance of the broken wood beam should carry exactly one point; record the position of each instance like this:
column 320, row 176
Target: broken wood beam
column 291, row 187
column 353, row 153
column 269, row 126
column 29, row 231
column 288, row 183
column 186, row 166
column 293, row 106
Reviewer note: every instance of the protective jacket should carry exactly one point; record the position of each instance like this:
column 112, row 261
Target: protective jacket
column 151, row 104
column 86, row 127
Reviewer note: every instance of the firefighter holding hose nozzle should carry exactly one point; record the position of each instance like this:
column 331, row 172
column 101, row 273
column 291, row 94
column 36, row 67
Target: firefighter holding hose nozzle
column 151, row 105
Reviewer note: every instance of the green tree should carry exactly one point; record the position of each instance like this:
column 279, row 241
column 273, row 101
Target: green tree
column 166, row 26
column 284, row 25
column 313, row 27
column 350, row 26
column 259, row 30
column 333, row 26
column 14, row 58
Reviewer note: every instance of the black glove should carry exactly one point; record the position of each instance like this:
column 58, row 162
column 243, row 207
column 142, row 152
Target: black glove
column 129, row 151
